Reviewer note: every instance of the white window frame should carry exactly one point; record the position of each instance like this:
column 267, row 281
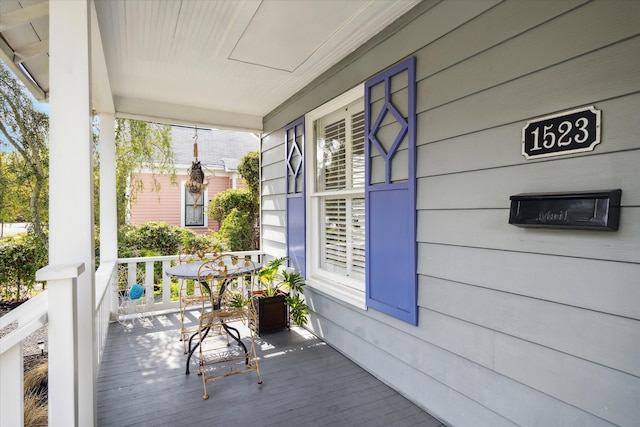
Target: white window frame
column 183, row 213
column 346, row 289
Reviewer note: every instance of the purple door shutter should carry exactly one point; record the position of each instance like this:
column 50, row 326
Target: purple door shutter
column 294, row 148
column 390, row 192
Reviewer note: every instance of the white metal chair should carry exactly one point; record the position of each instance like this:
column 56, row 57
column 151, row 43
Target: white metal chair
column 132, row 307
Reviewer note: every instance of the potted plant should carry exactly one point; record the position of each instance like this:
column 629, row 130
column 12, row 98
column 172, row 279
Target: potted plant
column 278, row 298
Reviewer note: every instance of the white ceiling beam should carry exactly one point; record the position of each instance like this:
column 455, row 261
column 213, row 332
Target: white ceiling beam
column 101, row 95
column 22, row 16
column 7, row 55
column 162, row 112
column 29, row 51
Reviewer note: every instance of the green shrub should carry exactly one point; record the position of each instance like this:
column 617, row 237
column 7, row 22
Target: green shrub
column 158, row 239
column 223, row 203
column 20, row 257
column 152, row 238
column 175, row 290
column 249, row 169
column 237, row 230
column 203, row 243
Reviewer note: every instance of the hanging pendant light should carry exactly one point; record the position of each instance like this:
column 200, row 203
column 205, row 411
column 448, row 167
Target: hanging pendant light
column 195, row 179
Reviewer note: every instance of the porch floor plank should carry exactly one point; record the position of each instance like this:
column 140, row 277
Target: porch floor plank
column 142, row 382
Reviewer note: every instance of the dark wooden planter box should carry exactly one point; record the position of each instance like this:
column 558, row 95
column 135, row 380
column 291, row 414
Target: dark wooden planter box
column 272, row 314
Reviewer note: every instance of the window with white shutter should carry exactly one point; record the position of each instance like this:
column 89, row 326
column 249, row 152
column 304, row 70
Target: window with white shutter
column 337, row 213
column 361, row 195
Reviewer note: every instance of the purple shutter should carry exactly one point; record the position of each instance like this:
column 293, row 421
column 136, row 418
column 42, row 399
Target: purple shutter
column 391, row 279
column 294, row 148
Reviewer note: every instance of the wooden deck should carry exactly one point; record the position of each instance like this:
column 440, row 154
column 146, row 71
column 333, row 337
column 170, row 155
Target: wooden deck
column 142, row 382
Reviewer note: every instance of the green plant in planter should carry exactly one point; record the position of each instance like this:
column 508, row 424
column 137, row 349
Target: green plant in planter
column 277, row 281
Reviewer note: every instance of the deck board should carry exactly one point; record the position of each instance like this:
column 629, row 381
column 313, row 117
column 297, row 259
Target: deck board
column 142, row 382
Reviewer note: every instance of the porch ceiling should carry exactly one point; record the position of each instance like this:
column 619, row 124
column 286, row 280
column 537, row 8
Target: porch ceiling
column 223, row 63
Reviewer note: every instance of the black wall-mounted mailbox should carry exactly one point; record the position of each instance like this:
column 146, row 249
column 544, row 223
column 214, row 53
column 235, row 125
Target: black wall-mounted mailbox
column 588, row 210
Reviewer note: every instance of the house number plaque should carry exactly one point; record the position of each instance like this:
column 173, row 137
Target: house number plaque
column 564, row 133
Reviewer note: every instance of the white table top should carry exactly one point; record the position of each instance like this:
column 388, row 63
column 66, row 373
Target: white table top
column 190, row 270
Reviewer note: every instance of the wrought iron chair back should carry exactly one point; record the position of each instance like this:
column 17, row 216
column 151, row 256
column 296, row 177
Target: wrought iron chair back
column 190, row 294
column 229, row 281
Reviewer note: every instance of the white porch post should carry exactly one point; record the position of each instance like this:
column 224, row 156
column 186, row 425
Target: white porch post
column 71, row 219
column 108, row 196
column 63, row 346
column 108, row 202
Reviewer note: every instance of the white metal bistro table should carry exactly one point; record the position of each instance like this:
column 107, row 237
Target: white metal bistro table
column 190, row 271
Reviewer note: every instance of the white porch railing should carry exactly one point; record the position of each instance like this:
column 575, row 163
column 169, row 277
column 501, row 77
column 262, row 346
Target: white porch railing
column 30, row 317
column 37, row 312
column 106, row 281
column 143, row 272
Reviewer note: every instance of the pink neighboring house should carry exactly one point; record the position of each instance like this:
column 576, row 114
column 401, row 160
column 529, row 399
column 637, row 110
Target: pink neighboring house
column 219, row 152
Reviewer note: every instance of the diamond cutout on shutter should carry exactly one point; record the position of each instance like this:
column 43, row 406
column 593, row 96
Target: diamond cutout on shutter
column 294, row 158
column 294, row 169
column 389, row 108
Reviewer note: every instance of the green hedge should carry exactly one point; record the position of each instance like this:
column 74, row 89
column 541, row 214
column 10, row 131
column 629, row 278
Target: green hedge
column 223, row 203
column 237, row 231
column 20, row 257
column 150, row 239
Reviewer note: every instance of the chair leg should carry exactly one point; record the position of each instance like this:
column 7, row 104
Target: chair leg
column 254, row 355
column 183, row 335
column 201, row 364
column 205, row 396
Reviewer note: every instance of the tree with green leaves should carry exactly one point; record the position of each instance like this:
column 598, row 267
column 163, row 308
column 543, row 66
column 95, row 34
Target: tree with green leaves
column 24, row 174
column 140, row 146
column 15, row 190
column 249, row 169
column 224, row 202
column 238, row 211
column 26, row 130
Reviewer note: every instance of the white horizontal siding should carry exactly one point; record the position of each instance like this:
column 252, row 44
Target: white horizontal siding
column 604, row 286
column 274, row 203
column 273, row 200
column 272, row 183
column 604, row 392
column 498, row 147
column 273, row 218
column 355, row 341
column 453, row 387
column 534, row 327
column 274, row 155
column 274, row 233
column 489, row 228
column 556, row 326
column 607, row 73
column 274, row 248
column 572, row 35
column 491, row 28
column 491, row 188
column 271, row 139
